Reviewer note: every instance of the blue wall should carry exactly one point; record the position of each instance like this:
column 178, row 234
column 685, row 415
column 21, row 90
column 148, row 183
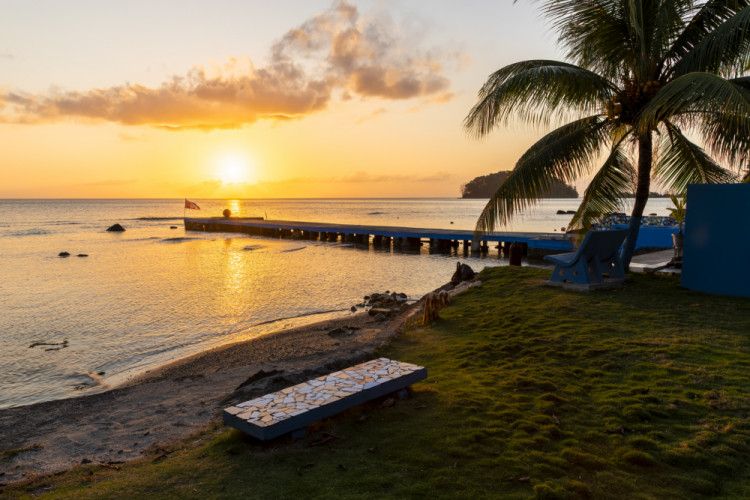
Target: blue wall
column 652, row 237
column 716, row 257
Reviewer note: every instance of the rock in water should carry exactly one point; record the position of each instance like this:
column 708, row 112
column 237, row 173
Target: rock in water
column 463, row 273
column 64, row 254
column 116, row 228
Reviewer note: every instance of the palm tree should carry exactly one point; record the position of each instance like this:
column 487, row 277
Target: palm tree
column 644, row 73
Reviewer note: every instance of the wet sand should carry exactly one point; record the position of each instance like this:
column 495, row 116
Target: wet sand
column 180, row 398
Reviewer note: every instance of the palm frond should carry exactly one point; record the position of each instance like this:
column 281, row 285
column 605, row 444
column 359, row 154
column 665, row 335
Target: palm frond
column 725, row 48
column 706, row 19
column 727, row 136
column 596, row 33
column 533, row 91
column 604, row 194
column 681, row 162
column 563, row 154
column 699, row 94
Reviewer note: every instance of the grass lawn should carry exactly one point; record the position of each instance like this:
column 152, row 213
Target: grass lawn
column 533, row 392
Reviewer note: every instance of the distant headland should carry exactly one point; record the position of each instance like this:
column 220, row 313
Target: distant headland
column 485, row 186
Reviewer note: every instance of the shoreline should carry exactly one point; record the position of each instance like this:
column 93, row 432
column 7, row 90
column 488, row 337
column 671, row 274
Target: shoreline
column 146, row 412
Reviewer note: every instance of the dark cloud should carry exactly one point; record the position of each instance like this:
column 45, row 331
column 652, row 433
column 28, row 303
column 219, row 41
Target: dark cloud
column 335, row 50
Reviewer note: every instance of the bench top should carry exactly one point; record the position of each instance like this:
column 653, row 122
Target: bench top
column 297, row 406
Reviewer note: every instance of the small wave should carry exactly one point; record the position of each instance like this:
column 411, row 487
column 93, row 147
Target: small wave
column 292, row 250
column 97, row 378
column 304, row 315
column 250, row 248
column 29, row 232
column 157, row 218
column 179, row 240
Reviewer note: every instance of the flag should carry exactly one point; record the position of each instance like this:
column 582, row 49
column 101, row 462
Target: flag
column 190, row 204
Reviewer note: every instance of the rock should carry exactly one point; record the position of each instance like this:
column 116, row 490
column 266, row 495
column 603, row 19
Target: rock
column 463, row 273
column 379, row 310
column 116, row 228
column 353, row 309
column 82, row 255
column 570, row 212
column 381, row 317
column 64, row 254
column 561, row 212
column 172, row 227
column 343, row 332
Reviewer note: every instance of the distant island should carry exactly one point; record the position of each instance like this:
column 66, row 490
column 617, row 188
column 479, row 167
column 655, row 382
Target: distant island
column 485, row 186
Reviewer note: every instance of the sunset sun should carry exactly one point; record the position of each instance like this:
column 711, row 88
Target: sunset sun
column 233, row 169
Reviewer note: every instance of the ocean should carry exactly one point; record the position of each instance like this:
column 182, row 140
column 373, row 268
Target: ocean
column 156, row 293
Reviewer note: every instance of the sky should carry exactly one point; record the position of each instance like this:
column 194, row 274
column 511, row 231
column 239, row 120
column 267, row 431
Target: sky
column 255, row 99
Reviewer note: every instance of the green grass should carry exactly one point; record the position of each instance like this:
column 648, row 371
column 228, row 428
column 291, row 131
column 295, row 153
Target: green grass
column 533, row 392
column 13, row 453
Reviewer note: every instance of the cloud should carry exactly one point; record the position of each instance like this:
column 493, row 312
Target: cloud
column 132, row 138
column 112, row 182
column 355, row 178
column 364, row 177
column 6, row 55
column 374, row 114
column 336, row 50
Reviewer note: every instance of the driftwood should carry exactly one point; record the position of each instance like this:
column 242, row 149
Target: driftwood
column 433, row 303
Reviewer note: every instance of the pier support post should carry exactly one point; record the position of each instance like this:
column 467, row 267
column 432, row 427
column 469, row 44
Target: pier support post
column 475, row 246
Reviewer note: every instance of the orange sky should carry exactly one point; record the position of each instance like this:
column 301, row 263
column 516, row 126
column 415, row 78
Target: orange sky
column 298, row 99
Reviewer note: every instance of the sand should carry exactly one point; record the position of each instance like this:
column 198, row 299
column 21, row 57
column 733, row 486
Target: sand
column 145, row 414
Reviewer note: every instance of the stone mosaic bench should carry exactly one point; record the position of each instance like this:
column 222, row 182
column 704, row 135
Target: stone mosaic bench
column 293, row 408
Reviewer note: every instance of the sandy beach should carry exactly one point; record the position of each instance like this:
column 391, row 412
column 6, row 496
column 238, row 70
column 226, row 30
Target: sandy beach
column 173, row 401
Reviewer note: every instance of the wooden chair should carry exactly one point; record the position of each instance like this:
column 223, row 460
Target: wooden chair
column 598, row 255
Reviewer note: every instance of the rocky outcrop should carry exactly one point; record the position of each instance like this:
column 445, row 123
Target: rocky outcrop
column 117, row 228
column 463, row 273
column 384, row 305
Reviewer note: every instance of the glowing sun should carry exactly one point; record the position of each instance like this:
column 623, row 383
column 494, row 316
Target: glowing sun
column 233, row 169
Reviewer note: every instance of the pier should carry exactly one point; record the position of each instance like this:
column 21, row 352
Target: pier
column 534, row 245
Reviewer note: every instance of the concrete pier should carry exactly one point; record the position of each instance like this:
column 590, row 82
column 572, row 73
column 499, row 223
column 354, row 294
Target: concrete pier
column 535, row 245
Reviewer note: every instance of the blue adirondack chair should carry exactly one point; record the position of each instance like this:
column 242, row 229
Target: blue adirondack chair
column 597, row 255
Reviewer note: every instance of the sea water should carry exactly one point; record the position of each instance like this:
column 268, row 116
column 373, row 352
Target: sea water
column 156, row 293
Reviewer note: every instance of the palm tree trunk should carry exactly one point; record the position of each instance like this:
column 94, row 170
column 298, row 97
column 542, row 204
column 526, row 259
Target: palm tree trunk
column 645, row 157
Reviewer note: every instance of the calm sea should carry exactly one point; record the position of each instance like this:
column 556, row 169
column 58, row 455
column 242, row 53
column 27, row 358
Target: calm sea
column 156, row 293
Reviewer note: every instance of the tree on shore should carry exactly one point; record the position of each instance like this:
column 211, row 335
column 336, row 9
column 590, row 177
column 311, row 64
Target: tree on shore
column 643, row 73
column 485, row 186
